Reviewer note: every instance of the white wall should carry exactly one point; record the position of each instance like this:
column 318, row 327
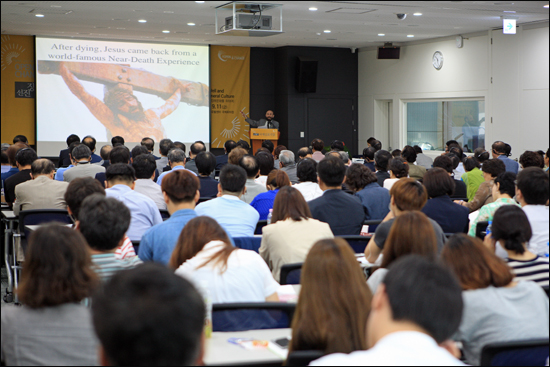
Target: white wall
column 517, row 100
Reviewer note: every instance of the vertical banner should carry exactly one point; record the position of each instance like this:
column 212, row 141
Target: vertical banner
column 18, row 87
column 229, row 93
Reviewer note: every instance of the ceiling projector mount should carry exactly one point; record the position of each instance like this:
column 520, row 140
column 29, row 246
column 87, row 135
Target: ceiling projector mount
column 247, row 19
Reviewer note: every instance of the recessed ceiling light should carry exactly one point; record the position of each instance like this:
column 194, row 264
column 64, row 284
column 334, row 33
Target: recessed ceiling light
column 39, row 15
column 327, row 31
column 509, row 11
column 545, row 6
column 318, row 34
column 199, row 2
column 142, row 21
column 55, row 6
column 410, row 35
column 417, row 14
column 166, row 31
column 313, row 8
column 191, row 24
column 381, row 34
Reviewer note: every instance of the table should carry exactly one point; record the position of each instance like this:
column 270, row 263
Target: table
column 220, row 352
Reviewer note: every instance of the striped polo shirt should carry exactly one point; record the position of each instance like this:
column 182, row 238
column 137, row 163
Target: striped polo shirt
column 535, row 270
column 105, row 265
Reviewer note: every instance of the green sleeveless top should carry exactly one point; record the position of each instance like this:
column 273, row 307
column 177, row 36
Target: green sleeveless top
column 473, row 179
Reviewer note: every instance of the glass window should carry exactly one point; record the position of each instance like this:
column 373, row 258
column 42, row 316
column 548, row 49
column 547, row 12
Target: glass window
column 431, row 124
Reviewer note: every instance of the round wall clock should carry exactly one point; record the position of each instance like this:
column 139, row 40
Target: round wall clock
column 437, row 60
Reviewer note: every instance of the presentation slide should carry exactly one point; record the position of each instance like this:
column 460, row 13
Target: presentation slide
column 134, row 90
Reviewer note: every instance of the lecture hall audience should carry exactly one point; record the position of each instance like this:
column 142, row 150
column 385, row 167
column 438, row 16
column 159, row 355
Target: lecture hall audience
column 375, row 199
column 263, row 202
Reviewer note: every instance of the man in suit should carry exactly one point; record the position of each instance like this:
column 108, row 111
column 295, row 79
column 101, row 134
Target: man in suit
column 23, row 159
column 82, row 155
column 194, row 150
column 105, row 153
column 119, row 154
column 287, row 164
column 499, row 151
column 90, row 142
column 252, row 168
column 64, row 159
column 267, row 123
column 165, row 145
column 343, row 212
column 221, row 160
column 42, row 192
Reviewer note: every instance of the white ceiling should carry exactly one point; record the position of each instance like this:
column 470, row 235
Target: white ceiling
column 352, row 23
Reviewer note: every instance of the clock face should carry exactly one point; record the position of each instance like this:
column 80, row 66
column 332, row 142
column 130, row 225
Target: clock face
column 437, row 60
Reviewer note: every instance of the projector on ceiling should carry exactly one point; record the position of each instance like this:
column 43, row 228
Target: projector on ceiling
column 249, row 21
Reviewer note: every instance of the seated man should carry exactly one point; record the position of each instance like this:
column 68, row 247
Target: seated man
column 119, row 154
column 317, row 147
column 499, row 152
column 252, row 168
column 64, row 159
column 368, row 156
column 381, row 162
column 149, row 143
column 145, row 167
column 446, row 162
column 103, row 223
column 23, row 159
column 61, row 170
column 206, row 164
column 415, row 171
column 82, row 156
column 194, row 150
column 304, row 152
column 120, row 185
column 221, row 160
column 148, row 316
column 413, row 315
column 343, row 212
column 236, row 217
column 90, row 142
column 176, row 161
column 165, row 146
column 42, row 192
column 180, row 190
column 288, row 165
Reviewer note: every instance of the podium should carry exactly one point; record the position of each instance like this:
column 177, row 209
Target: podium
column 257, row 136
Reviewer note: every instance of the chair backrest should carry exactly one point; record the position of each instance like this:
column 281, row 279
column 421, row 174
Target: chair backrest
column 248, row 243
column 357, row 243
column 164, row 214
column 373, row 224
column 546, row 290
column 481, row 229
column 291, row 273
column 261, row 224
column 252, row 316
column 40, row 216
column 303, row 357
column 532, row 352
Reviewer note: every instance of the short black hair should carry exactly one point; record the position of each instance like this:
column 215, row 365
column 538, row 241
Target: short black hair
column 303, row 152
column 396, row 153
column 250, row 165
column 331, row 171
column 370, row 140
column 148, row 143
column 369, row 153
column 25, row 156
column 268, row 144
column 103, row 221
column 266, row 162
column 438, row 182
column 510, row 224
column 377, row 144
column 449, row 142
column 229, row 145
column 144, row 165
column 5, row 159
column 531, row 159
column 470, row 163
column 409, row 154
column 197, row 147
column 179, row 145
column 426, row 294
column 243, row 144
column 205, row 162
column 20, row 138
column 455, row 159
column 399, row 167
column 337, row 145
column 381, row 160
column 119, row 154
column 81, row 151
column 481, row 154
column 138, row 150
column 306, row 170
column 318, row 145
column 232, row 178
column 456, row 149
column 165, row 145
column 499, row 147
column 507, row 183
column 120, row 172
column 445, row 162
column 42, row 167
column 72, row 138
column 417, row 149
column 533, row 184
column 148, row 316
column 89, row 141
column 494, row 167
column 78, row 190
column 117, row 140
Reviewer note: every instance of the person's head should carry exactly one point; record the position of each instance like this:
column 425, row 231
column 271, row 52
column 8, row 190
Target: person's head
column 532, row 187
column 148, row 143
column 265, row 163
column 493, row 167
column 24, row 157
column 72, row 139
column 286, row 157
column 196, row 148
column 90, row 142
column 277, row 179
column 457, row 150
column 377, row 145
column 269, row 115
column 449, row 144
column 498, row 148
column 511, row 228
column 176, row 157
column 148, row 316
column 57, row 268
column 411, row 233
column 117, row 140
column 304, row 152
column 408, row 194
column 438, row 183
column 370, row 141
column 317, row 145
column 206, row 163
column 78, row 190
column 306, row 170
column 470, row 163
column 409, row 154
column 481, row 155
column 20, row 139
column 278, row 150
column 122, row 101
column 547, row 157
column 333, row 306
column 504, row 185
column 81, row 152
column 180, row 145
column 358, row 176
column 105, row 152
column 368, row 153
column 12, row 152
column 420, row 292
column 232, row 179
column 180, row 187
column 42, row 167
column 164, row 146
column 398, row 167
column 444, row 162
column 244, row 144
column 507, row 149
column 144, row 165
column 455, row 159
column 103, row 222
column 5, row 160
column 195, row 235
column 268, row 144
column 331, row 171
column 236, row 154
column 417, row 149
column 120, row 174
column 289, row 203
column 139, row 150
column 381, row 160
column 250, row 165
column 119, row 154
column 531, row 159
column 337, row 145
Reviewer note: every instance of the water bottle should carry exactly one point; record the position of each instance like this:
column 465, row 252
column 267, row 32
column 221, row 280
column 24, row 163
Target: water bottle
column 546, row 253
column 489, row 228
column 205, row 291
column 269, row 216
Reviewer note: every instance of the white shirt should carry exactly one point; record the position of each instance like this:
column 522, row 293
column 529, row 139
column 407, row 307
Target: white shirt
column 261, row 180
column 310, row 190
column 402, row 348
column 247, row 278
column 538, row 216
column 149, row 188
column 388, row 182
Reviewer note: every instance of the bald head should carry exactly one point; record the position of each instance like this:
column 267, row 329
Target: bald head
column 42, row 167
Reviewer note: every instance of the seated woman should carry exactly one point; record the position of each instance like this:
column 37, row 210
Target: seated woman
column 398, row 168
column 496, row 308
column 53, row 327
column 503, row 191
column 205, row 256
column 206, row 164
column 292, row 231
column 306, row 170
column 412, row 233
column 334, row 302
column 511, row 229
column 364, row 183
column 473, row 176
column 264, row 201
column 452, row 218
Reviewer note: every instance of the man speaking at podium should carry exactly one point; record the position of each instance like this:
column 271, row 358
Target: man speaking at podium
column 267, row 123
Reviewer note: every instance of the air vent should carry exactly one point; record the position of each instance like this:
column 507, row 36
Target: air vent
column 351, row 10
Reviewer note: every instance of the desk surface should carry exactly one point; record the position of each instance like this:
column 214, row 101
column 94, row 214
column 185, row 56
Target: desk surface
column 220, row 352
column 8, row 214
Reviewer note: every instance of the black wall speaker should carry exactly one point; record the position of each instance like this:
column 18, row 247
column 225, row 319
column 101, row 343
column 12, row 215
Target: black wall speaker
column 306, row 75
column 388, row 53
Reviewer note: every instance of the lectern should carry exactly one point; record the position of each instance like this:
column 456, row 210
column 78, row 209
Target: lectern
column 257, row 136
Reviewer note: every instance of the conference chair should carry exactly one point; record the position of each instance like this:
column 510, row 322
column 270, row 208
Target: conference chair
column 164, row 214
column 546, row 290
column 259, row 227
column 303, row 357
column 372, row 223
column 481, row 229
column 136, row 246
column 252, row 316
column 357, row 243
column 532, row 352
column 248, row 243
column 291, row 273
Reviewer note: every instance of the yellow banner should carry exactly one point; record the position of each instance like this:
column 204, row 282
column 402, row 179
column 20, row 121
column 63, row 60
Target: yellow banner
column 229, row 93
column 18, row 87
